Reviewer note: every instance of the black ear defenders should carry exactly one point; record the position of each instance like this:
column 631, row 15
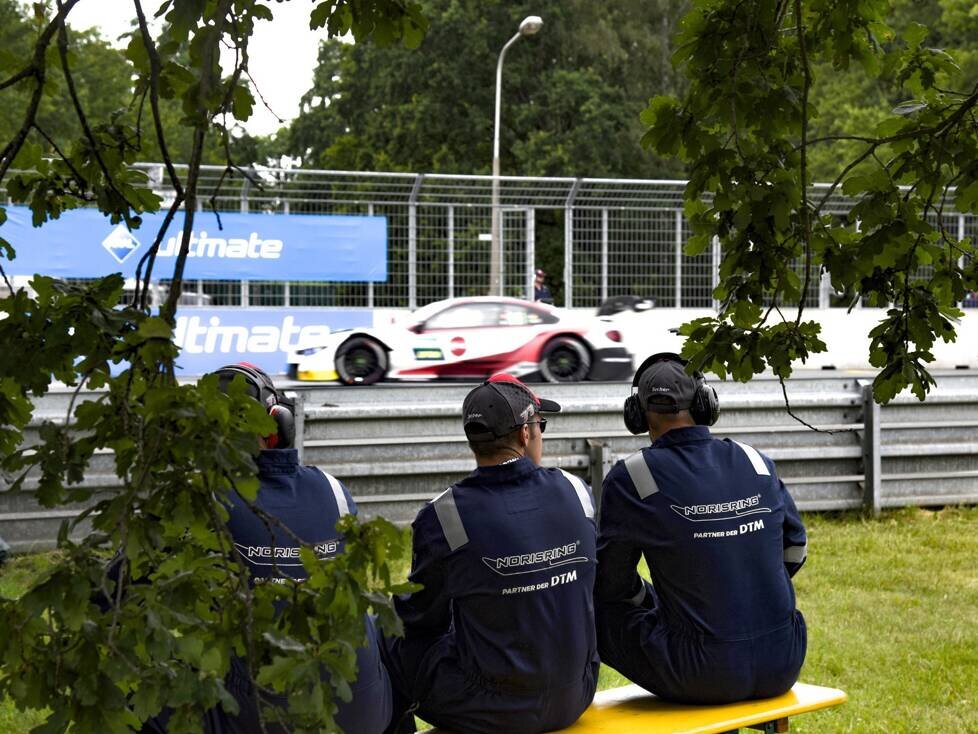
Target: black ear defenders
column 704, row 408
column 279, row 407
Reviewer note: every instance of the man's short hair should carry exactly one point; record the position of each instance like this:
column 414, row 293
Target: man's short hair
column 508, row 441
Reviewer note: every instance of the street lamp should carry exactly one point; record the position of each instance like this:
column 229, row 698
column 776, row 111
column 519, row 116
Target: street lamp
column 530, row 26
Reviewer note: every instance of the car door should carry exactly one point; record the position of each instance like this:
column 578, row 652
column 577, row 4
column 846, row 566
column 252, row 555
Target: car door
column 480, row 338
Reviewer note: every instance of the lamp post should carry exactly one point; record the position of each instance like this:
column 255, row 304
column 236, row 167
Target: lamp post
column 528, row 27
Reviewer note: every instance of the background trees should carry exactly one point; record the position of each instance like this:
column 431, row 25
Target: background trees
column 572, row 94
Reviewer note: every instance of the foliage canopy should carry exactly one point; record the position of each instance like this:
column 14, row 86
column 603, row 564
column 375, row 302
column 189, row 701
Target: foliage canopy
column 744, row 129
column 177, row 450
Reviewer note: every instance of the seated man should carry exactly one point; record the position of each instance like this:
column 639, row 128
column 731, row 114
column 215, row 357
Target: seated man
column 721, row 537
column 501, row 637
column 309, row 502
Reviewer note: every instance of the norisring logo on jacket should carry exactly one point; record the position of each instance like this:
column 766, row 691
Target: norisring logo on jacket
column 543, row 560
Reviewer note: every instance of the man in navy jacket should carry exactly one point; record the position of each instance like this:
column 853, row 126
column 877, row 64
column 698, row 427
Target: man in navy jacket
column 501, row 638
column 309, row 503
column 721, row 536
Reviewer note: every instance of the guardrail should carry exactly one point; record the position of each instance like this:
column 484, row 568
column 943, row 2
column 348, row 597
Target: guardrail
column 397, row 446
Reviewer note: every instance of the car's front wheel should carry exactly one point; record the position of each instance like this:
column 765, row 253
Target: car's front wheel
column 361, row 361
column 565, row 359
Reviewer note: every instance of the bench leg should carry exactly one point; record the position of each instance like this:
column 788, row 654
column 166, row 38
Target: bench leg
column 778, row 726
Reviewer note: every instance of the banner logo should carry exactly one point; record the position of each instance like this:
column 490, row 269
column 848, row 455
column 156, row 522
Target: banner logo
column 120, row 243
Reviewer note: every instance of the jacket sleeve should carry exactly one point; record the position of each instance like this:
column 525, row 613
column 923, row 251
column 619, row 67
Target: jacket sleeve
column 617, row 576
column 795, row 537
column 427, row 611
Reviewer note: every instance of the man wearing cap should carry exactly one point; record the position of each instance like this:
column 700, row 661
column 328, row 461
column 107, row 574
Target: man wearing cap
column 501, row 638
column 721, row 536
column 540, row 291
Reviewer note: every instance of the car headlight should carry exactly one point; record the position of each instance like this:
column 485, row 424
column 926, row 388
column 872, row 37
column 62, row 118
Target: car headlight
column 309, row 351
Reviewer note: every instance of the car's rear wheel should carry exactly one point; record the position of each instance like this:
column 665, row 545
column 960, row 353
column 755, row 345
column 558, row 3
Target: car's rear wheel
column 565, row 359
column 361, row 361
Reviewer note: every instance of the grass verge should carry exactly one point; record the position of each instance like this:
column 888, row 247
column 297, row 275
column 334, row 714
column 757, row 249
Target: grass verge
column 892, row 610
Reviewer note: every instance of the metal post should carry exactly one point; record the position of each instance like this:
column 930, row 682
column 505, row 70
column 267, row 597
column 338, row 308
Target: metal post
column 604, row 255
column 300, row 419
column 496, row 254
column 451, row 251
column 872, row 454
column 715, row 272
column 961, row 262
column 531, row 251
column 413, row 243
column 569, row 243
column 370, row 283
column 413, row 256
column 679, row 258
column 200, row 292
column 825, row 291
column 287, row 293
column 502, row 253
column 245, row 293
column 568, row 256
column 599, row 464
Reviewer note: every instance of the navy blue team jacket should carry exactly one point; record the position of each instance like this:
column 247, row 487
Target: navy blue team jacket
column 507, row 560
column 718, row 529
column 309, row 502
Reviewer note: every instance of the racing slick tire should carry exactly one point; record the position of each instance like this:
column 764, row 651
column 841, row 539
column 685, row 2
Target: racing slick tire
column 361, row 361
column 565, row 359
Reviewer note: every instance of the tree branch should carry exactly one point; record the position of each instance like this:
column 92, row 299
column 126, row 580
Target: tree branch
column 38, row 69
column 83, row 119
column 804, row 211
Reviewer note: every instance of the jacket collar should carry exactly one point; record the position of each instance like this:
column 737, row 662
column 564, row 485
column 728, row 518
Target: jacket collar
column 677, row 436
column 501, row 472
column 278, row 461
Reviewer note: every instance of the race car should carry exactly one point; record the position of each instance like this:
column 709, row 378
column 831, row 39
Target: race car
column 470, row 338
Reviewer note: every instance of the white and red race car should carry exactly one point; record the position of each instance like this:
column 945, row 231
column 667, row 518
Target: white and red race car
column 471, row 338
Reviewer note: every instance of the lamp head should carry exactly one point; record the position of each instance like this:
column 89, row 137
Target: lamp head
column 531, row 25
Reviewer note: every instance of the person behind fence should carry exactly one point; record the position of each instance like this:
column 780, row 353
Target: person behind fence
column 501, row 638
column 309, row 503
column 540, row 291
column 722, row 538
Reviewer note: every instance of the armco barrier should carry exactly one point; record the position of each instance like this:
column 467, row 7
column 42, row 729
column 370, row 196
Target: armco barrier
column 397, row 446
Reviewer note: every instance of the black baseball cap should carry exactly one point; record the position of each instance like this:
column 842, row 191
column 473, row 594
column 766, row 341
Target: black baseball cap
column 499, row 405
column 665, row 387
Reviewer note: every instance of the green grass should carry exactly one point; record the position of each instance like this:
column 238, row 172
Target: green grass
column 892, row 610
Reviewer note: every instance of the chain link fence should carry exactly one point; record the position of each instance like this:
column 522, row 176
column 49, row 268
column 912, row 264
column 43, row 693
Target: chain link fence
column 620, row 237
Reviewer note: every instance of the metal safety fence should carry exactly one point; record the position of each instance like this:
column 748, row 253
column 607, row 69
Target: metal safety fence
column 618, row 237
column 397, row 446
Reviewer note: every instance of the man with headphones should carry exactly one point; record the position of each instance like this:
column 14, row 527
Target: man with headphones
column 309, row 502
column 721, row 536
column 501, row 638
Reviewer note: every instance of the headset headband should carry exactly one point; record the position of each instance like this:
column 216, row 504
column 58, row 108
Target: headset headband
column 659, row 357
column 268, row 395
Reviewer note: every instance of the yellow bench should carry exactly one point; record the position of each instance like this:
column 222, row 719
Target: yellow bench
column 632, row 710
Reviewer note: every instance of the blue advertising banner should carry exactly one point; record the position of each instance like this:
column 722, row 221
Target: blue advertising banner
column 212, row 337
column 84, row 244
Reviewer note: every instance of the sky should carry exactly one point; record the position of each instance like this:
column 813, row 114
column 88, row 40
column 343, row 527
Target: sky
column 282, row 53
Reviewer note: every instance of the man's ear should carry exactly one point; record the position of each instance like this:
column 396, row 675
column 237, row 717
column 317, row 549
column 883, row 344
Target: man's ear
column 525, row 434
